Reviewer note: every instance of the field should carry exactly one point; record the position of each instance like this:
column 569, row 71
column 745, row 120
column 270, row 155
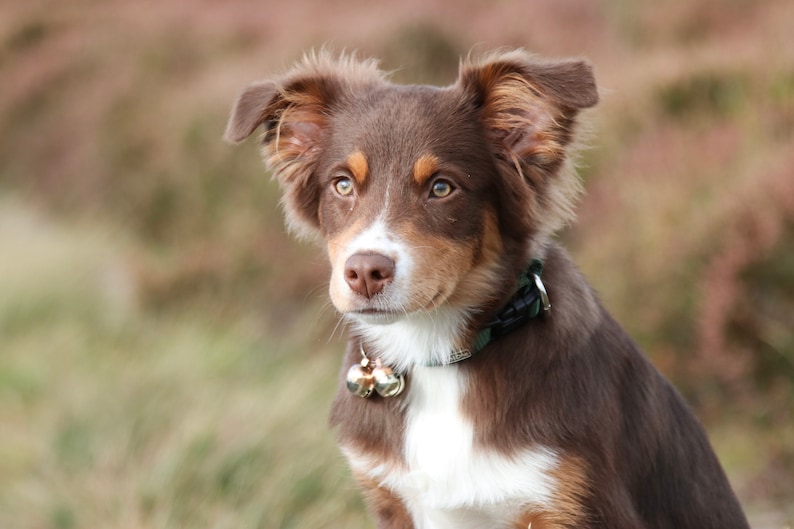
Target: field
column 168, row 353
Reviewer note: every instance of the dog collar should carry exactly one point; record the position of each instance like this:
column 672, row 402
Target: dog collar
column 529, row 301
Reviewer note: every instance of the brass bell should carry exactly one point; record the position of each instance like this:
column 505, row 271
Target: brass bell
column 360, row 381
column 387, row 383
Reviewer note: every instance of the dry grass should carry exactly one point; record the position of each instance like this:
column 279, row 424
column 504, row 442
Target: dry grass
column 168, row 368
column 114, row 416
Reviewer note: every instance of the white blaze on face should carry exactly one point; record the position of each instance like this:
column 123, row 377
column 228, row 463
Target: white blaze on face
column 374, row 239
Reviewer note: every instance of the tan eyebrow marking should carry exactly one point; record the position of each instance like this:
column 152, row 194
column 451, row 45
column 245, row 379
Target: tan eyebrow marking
column 425, row 167
column 357, row 163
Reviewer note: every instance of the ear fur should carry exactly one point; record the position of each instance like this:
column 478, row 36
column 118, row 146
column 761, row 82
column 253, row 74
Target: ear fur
column 529, row 108
column 248, row 112
column 294, row 111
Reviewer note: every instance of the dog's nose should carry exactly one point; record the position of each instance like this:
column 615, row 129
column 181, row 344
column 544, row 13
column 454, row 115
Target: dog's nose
column 367, row 274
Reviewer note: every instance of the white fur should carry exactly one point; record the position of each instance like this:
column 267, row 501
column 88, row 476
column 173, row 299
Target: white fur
column 448, row 481
column 421, row 338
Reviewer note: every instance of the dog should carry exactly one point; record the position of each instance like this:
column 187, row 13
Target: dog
column 484, row 385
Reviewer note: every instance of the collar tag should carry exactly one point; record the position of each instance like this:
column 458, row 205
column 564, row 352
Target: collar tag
column 458, row 356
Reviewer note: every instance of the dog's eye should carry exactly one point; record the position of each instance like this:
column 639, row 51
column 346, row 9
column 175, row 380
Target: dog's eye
column 441, row 189
column 343, row 185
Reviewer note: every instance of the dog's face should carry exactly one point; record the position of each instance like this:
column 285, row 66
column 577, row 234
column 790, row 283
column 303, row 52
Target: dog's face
column 425, row 197
column 409, row 221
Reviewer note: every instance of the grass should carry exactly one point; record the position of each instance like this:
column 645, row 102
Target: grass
column 114, row 417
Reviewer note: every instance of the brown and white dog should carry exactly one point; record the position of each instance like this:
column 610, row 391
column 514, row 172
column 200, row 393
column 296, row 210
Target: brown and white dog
column 431, row 202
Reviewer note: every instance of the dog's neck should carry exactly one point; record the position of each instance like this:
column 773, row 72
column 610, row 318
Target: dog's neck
column 444, row 335
column 425, row 338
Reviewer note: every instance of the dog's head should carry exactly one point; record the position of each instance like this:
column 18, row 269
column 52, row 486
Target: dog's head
column 424, row 196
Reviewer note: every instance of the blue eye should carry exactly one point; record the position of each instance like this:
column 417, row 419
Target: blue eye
column 441, row 189
column 343, row 185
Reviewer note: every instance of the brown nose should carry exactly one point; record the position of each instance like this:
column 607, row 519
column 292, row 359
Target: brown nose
column 367, row 274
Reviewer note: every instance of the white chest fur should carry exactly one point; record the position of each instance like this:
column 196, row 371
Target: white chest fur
column 449, row 482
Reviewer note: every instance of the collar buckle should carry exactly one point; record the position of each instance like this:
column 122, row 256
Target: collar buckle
column 544, row 296
column 530, row 301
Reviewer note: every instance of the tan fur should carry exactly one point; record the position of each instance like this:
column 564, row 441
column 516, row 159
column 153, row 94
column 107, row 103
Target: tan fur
column 478, row 282
column 385, row 504
column 424, row 168
column 357, row 162
column 445, row 263
column 572, row 491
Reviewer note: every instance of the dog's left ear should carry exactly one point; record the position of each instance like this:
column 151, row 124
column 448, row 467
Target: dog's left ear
column 528, row 109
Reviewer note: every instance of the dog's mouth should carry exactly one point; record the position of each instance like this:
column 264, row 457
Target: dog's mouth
column 386, row 314
column 378, row 316
column 375, row 312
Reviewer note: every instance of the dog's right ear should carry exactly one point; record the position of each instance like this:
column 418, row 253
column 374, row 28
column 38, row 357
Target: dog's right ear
column 249, row 111
column 293, row 109
column 294, row 112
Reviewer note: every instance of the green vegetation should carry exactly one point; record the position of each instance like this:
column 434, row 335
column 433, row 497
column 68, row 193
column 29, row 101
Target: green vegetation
column 114, row 415
column 167, row 352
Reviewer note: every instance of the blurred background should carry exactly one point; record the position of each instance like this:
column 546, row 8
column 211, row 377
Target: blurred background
column 167, row 352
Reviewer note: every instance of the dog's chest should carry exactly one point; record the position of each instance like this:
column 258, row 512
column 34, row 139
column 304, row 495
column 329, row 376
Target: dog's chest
column 450, row 481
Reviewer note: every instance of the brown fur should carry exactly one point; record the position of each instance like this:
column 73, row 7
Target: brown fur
column 632, row 456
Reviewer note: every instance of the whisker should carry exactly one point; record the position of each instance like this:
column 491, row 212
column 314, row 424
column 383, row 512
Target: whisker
column 314, row 292
column 341, row 324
